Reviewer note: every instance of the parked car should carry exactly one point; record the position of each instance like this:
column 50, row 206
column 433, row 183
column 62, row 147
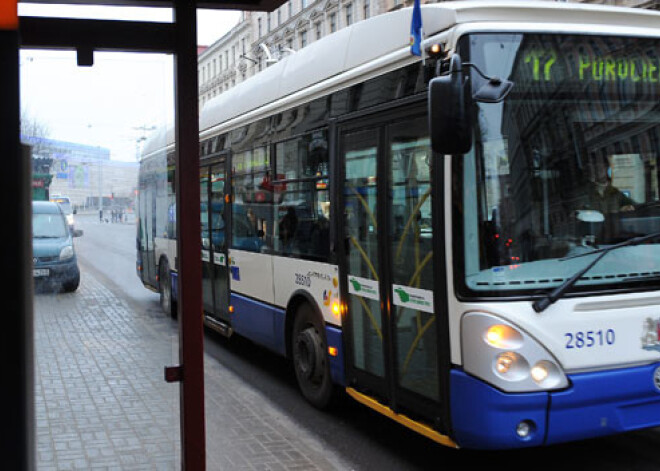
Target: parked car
column 53, row 255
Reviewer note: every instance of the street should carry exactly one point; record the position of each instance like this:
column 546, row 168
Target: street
column 256, row 417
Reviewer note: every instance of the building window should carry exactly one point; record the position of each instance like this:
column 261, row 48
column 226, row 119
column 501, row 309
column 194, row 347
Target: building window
column 279, row 17
column 290, row 7
column 268, row 20
column 304, row 4
column 303, row 39
column 259, row 27
column 319, row 30
column 333, row 22
column 349, row 14
column 366, row 9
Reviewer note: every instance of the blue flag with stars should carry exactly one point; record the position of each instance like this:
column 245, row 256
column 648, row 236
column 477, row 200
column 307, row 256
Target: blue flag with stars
column 416, row 30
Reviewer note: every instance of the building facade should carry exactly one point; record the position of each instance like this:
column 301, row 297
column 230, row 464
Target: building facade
column 82, row 172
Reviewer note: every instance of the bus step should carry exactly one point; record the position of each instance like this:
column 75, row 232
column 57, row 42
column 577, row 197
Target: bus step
column 219, row 326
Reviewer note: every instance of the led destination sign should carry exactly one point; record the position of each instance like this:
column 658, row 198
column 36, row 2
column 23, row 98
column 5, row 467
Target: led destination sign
column 556, row 58
column 589, row 67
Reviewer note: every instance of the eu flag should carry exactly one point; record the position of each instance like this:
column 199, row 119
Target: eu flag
column 416, row 30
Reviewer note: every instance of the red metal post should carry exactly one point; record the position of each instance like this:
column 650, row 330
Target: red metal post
column 17, row 396
column 191, row 330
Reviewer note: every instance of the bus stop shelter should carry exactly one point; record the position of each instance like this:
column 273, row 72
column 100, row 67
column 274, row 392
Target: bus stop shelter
column 16, row 335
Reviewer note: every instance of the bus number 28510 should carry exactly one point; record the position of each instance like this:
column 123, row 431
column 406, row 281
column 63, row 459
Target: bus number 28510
column 591, row 338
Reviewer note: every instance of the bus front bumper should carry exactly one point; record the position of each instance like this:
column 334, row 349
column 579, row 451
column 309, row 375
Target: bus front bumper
column 596, row 404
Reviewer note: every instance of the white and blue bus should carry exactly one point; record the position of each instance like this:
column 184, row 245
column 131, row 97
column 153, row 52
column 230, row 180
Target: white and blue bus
column 465, row 242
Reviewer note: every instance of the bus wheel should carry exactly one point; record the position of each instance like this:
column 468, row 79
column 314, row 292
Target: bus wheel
column 310, row 361
column 165, row 289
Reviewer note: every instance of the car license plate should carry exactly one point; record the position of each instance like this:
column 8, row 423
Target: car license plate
column 40, row 272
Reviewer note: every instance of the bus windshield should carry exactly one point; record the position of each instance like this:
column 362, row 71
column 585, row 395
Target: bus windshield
column 565, row 165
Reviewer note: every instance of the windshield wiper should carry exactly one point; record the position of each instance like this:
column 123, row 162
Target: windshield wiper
column 542, row 304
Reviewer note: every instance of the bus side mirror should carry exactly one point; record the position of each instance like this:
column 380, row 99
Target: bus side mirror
column 449, row 122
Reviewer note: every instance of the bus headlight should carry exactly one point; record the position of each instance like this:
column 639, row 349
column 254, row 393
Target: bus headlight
column 503, row 336
column 507, row 357
column 546, row 374
column 511, row 366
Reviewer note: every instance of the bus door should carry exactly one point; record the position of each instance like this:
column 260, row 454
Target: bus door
column 387, row 264
column 205, row 218
column 146, row 234
column 215, row 281
column 219, row 239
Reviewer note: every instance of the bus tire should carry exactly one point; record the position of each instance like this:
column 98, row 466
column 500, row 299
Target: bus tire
column 310, row 361
column 165, row 289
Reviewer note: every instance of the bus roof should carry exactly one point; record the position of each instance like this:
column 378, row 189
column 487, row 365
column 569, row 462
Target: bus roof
column 380, row 44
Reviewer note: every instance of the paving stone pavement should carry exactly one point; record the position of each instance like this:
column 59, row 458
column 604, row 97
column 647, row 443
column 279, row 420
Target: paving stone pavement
column 101, row 401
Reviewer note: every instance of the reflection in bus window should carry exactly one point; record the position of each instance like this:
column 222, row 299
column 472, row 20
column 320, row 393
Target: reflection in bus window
column 253, row 197
column 302, row 197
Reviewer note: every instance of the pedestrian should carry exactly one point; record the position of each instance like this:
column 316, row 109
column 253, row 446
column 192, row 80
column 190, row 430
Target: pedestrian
column 101, row 215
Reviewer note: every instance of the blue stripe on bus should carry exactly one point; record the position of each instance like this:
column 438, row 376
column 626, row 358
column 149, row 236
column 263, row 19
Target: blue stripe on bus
column 484, row 417
column 259, row 322
column 603, row 403
column 265, row 325
column 596, row 404
column 334, row 339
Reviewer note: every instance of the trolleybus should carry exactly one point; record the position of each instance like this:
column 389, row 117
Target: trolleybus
column 465, row 242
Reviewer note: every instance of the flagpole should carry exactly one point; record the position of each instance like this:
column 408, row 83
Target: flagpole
column 421, row 46
column 417, row 31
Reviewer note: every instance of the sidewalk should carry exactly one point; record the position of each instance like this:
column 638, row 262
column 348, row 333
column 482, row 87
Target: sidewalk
column 100, row 398
column 101, row 401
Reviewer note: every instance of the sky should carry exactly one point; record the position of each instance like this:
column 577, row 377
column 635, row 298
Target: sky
column 117, row 101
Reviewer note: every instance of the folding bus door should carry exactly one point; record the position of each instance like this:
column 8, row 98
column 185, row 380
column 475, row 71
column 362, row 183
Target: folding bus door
column 387, row 263
column 219, row 240
column 205, row 221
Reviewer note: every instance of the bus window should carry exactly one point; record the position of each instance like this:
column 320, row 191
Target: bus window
column 302, row 214
column 253, row 200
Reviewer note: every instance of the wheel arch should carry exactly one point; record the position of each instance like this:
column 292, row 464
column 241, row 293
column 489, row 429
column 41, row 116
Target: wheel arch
column 298, row 298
